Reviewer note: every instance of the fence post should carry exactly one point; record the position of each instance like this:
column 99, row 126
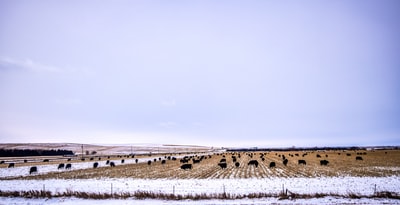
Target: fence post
column 173, row 190
column 44, row 187
column 111, row 189
column 375, row 190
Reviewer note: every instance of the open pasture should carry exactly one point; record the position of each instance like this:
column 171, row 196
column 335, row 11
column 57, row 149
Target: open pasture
column 378, row 163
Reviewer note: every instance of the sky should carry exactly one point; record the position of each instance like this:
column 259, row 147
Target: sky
column 214, row 73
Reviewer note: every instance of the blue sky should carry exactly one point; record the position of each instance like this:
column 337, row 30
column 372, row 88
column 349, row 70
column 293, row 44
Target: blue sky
column 218, row 73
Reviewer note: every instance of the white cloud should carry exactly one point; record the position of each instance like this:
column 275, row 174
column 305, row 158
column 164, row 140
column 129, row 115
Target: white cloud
column 68, row 101
column 34, row 66
column 168, row 103
column 29, row 64
column 168, row 124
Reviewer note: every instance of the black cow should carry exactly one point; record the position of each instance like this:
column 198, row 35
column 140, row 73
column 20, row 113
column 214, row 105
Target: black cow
column 122, row 161
column 285, row 162
column 25, row 160
column 324, row 162
column 149, row 162
column 136, row 160
column 112, row 164
column 237, row 164
column 61, row 166
column 223, row 165
column 95, row 165
column 33, row 170
column 107, row 162
column 253, row 162
column 11, row 165
column 45, row 160
column 68, row 166
column 272, row 164
column 359, row 158
column 163, row 161
column 222, row 160
column 302, row 161
column 186, row 166
column 318, row 156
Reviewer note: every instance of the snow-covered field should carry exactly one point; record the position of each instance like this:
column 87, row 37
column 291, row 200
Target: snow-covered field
column 337, row 185
column 75, row 201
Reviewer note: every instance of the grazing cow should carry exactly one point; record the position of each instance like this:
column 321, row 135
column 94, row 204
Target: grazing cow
column 302, row 161
column 95, row 165
column 91, row 159
column 25, row 161
column 163, row 161
column 237, row 164
column 285, row 162
column 222, row 160
column 69, row 159
column 83, row 159
column 107, row 162
column 11, row 165
column 348, row 154
column 195, row 161
column 155, row 160
column 318, row 156
column 136, row 161
column 223, row 165
column 324, row 162
column 61, row 166
column 112, row 164
column 33, row 170
column 45, row 160
column 149, row 162
column 359, row 158
column 186, row 166
column 272, row 164
column 173, row 158
column 122, row 161
column 68, row 166
column 253, row 162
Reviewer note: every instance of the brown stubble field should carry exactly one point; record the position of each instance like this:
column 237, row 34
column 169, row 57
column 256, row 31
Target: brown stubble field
column 375, row 163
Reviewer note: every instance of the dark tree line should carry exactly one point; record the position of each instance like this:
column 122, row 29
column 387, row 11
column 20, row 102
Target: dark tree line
column 31, row 152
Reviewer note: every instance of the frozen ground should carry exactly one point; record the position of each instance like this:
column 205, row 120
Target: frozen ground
column 75, row 201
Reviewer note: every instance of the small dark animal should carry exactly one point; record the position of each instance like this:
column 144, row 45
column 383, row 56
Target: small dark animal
column 348, row 154
column 69, row 159
column 253, row 162
column 122, row 161
column 222, row 165
column 61, row 166
column 272, row 164
column 95, row 165
column 318, row 156
column 359, row 158
column 163, row 161
column 136, row 160
column 285, row 162
column 45, row 160
column 222, row 160
column 324, row 162
column 91, row 159
column 149, row 162
column 2, row 162
column 68, row 166
column 302, row 161
column 25, row 160
column 186, row 166
column 237, row 164
column 107, row 162
column 11, row 165
column 32, row 170
column 112, row 164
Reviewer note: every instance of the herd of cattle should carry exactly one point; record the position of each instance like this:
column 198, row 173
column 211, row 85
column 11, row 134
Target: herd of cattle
column 188, row 161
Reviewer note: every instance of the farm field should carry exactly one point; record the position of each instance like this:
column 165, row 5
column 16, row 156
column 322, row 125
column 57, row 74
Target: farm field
column 343, row 178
